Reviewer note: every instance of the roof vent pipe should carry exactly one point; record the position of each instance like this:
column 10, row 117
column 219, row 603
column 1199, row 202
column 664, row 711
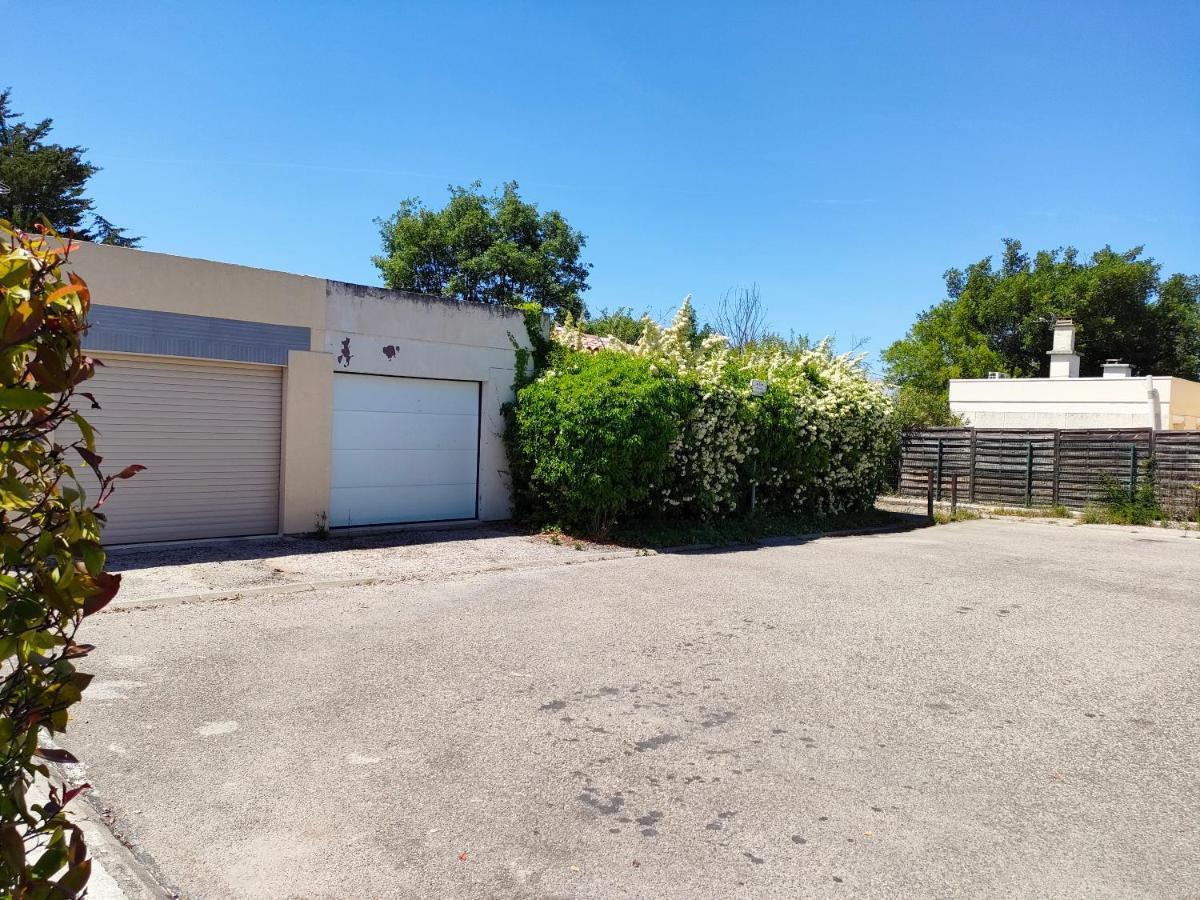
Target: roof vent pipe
column 1155, row 407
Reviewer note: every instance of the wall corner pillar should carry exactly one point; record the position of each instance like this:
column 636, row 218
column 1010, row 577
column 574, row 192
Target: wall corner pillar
column 307, row 440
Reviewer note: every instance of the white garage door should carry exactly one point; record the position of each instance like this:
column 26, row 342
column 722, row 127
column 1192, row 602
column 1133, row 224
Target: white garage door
column 404, row 450
column 208, row 434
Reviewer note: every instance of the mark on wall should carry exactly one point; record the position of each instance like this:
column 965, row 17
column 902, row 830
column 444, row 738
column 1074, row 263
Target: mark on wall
column 345, row 356
column 390, row 351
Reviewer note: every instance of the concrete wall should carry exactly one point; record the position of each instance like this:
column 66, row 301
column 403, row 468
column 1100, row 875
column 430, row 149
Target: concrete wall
column 307, row 422
column 1075, row 403
column 137, row 279
column 1184, row 409
column 351, row 328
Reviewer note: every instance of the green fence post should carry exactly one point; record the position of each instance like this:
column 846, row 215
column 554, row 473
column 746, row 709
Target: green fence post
column 1057, row 459
column 941, row 454
column 971, row 473
column 1028, row 474
column 1133, row 473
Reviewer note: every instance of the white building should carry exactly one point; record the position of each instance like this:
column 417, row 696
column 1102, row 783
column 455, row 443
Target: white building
column 1118, row 399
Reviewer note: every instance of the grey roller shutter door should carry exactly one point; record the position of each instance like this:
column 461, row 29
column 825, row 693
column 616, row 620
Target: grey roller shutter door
column 209, row 435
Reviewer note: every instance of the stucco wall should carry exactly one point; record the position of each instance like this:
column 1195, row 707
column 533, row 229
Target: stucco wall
column 307, row 419
column 374, row 331
column 1074, row 402
column 138, row 279
column 1184, row 405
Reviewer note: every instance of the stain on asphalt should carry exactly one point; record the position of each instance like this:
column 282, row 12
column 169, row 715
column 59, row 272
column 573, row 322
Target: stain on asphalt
column 609, row 807
column 655, row 742
column 797, row 839
column 757, row 860
column 553, row 706
column 648, row 823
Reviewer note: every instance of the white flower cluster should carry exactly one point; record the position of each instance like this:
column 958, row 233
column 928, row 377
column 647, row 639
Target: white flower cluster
column 843, row 425
column 816, row 443
column 715, row 440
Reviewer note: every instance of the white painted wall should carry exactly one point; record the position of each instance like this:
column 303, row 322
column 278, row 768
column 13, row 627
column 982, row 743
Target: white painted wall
column 1076, row 403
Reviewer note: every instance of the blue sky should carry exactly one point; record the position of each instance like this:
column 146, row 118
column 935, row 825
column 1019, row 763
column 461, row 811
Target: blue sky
column 842, row 156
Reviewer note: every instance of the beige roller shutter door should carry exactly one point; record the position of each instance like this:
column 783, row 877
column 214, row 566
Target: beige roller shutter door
column 209, row 436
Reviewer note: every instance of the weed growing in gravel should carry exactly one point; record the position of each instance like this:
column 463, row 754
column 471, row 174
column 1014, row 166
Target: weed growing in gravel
column 1120, row 506
column 1041, row 512
column 962, row 515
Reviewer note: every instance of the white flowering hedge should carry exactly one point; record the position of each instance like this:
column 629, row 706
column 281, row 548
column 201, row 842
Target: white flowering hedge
column 817, row 442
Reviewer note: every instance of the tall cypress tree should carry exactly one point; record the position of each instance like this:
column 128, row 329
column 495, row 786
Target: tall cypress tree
column 43, row 179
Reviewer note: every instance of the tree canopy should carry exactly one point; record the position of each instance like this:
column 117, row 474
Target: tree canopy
column 619, row 323
column 485, row 248
column 40, row 178
column 999, row 318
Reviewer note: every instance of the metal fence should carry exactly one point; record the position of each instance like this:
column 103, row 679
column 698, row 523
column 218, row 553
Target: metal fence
column 1052, row 466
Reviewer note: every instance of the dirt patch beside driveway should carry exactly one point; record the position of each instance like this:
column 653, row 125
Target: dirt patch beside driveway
column 200, row 570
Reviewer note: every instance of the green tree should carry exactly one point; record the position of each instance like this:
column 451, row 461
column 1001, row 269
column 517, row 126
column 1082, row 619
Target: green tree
column 41, row 179
column 999, row 317
column 620, row 323
column 485, row 248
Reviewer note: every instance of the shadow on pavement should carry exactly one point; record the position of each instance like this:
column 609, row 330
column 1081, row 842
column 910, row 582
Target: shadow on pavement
column 130, row 557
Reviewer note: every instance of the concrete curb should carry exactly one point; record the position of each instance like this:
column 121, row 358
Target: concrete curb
column 131, row 876
column 118, row 872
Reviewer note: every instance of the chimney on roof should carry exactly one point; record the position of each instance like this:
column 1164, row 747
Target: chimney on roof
column 1064, row 361
column 1114, row 368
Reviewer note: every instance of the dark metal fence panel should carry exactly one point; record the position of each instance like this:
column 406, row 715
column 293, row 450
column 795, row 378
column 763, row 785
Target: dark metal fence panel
column 1014, row 467
column 1177, row 471
column 1090, row 459
column 943, row 451
column 1046, row 466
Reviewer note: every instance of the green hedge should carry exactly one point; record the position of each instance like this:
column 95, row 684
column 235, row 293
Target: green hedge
column 671, row 429
column 595, row 437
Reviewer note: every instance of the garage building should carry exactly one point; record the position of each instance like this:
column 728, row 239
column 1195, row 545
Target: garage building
column 262, row 402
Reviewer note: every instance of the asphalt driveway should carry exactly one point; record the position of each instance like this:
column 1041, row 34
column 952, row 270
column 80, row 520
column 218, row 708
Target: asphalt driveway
column 982, row 709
